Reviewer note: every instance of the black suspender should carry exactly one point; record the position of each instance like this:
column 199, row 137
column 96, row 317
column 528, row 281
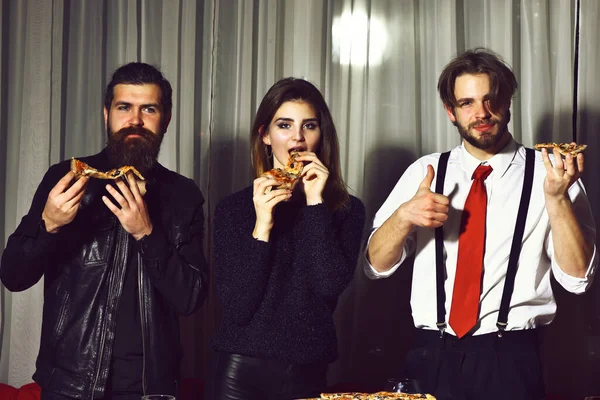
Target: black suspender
column 515, row 250
column 439, row 249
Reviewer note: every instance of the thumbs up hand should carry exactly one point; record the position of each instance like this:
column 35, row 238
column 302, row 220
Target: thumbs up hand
column 426, row 209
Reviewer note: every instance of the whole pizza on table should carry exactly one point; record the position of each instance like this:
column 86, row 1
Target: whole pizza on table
column 563, row 148
column 373, row 396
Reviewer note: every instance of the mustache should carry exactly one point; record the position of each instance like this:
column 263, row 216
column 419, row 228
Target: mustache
column 121, row 134
column 489, row 121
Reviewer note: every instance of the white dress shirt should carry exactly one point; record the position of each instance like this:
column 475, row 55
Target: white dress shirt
column 532, row 302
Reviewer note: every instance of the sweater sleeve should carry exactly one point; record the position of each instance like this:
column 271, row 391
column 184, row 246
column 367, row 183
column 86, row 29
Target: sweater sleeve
column 241, row 262
column 333, row 243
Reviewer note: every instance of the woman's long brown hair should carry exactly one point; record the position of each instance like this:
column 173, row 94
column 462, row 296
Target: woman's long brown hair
column 292, row 89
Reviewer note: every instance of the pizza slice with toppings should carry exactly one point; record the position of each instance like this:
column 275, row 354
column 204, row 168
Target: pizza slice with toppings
column 563, row 148
column 79, row 168
column 398, row 396
column 344, row 396
column 288, row 175
column 375, row 396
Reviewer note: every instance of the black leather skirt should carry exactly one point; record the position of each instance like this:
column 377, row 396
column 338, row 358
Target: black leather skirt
column 238, row 377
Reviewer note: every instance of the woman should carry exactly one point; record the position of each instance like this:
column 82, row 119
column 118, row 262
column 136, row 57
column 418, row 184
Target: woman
column 282, row 257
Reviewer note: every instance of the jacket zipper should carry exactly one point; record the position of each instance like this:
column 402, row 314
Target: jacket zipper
column 61, row 318
column 120, row 232
column 143, row 324
column 99, row 361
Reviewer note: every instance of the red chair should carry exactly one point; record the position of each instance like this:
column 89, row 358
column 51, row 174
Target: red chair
column 31, row 391
column 8, row 392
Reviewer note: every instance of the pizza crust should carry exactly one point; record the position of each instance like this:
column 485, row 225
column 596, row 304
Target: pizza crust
column 563, row 148
column 79, row 168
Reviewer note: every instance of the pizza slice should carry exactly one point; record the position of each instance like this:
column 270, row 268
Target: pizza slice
column 375, row 396
column 289, row 175
column 398, row 396
column 80, row 169
column 563, row 148
column 345, row 396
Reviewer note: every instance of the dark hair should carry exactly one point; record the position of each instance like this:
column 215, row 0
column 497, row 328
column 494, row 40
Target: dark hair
column 293, row 89
column 503, row 83
column 138, row 73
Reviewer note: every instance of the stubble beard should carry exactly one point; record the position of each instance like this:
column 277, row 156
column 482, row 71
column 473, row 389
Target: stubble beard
column 485, row 141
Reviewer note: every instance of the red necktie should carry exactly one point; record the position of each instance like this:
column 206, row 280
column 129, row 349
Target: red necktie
column 471, row 241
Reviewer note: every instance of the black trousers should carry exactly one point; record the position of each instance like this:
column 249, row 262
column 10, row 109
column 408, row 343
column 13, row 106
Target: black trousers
column 238, row 377
column 477, row 367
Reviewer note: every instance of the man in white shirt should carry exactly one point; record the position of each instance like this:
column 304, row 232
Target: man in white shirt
column 496, row 355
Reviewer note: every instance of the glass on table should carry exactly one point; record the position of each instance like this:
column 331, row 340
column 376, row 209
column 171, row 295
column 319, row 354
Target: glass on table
column 592, row 398
column 158, row 397
column 403, row 385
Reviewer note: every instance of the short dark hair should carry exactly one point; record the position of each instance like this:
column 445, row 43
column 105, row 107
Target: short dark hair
column 294, row 89
column 138, row 73
column 503, row 83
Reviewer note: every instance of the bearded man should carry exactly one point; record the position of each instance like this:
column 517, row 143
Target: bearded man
column 121, row 259
column 498, row 221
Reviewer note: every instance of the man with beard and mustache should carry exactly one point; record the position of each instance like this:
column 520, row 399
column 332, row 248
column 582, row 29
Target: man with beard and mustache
column 121, row 260
column 487, row 234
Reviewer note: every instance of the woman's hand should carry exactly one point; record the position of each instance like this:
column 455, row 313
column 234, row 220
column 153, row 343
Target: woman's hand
column 314, row 177
column 264, row 202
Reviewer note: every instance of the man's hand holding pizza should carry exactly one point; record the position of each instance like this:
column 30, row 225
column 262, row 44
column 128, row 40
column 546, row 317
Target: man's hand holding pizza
column 561, row 175
column 63, row 202
column 133, row 213
column 572, row 250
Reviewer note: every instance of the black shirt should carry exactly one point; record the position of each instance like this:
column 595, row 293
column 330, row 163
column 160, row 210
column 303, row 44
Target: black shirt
column 127, row 355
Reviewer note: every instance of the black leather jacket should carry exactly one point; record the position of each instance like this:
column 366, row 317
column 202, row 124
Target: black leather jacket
column 84, row 269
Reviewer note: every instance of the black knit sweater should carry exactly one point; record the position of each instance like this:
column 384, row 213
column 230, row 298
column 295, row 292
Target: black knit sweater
column 278, row 297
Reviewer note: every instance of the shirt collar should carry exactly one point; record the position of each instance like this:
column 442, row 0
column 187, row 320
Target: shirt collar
column 499, row 162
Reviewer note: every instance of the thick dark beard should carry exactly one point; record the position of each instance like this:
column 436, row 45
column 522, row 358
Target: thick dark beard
column 141, row 152
column 485, row 142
